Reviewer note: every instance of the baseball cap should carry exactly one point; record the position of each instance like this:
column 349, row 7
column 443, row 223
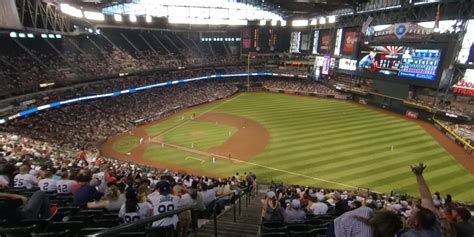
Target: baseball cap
column 164, row 187
column 271, row 194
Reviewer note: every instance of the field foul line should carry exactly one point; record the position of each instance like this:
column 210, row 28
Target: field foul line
column 194, row 158
column 255, row 164
column 197, row 116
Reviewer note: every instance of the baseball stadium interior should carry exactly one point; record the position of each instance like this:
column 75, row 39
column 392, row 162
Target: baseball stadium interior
column 236, row 118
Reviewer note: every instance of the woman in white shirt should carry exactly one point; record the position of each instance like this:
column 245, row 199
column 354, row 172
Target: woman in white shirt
column 133, row 210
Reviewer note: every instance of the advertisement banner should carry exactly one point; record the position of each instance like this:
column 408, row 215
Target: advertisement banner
column 411, row 114
column 324, row 42
column 350, row 40
column 326, row 65
column 246, row 43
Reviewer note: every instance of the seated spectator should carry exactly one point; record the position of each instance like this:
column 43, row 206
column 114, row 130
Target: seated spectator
column 363, row 221
column 162, row 203
column 86, row 192
column 112, row 201
column 24, row 179
column 16, row 207
column 271, row 209
column 316, row 207
column 48, row 184
column 294, row 214
column 66, row 182
column 462, row 226
column 133, row 210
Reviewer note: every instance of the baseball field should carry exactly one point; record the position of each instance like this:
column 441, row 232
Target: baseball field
column 300, row 140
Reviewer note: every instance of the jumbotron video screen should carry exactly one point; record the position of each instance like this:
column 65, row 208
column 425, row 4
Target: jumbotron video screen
column 400, row 61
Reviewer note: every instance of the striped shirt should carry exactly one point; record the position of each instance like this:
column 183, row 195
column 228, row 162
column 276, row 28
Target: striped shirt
column 348, row 226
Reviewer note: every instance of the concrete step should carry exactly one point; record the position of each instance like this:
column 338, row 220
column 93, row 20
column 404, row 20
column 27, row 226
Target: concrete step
column 246, row 225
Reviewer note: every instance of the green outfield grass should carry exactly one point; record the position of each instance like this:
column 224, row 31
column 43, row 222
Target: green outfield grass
column 321, row 142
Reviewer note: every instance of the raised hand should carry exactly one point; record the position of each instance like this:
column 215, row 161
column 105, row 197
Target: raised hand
column 418, row 169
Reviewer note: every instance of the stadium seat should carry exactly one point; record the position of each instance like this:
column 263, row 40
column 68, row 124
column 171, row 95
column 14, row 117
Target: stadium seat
column 111, row 215
column 64, row 233
column 274, row 229
column 326, row 217
column 87, row 231
column 17, row 231
column 297, row 227
column 272, row 224
column 132, row 234
column 74, row 226
column 105, row 223
column 315, row 221
column 277, row 234
column 307, row 233
column 40, row 224
column 91, row 212
column 83, row 218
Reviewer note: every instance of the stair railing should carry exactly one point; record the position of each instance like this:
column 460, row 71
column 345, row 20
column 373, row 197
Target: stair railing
column 233, row 196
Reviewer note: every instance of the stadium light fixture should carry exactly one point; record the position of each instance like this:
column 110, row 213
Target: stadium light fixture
column 133, row 18
column 331, row 19
column 22, row 35
column 314, row 22
column 322, row 20
column 89, row 30
column 299, row 23
column 69, row 10
column 118, row 18
column 263, row 22
column 13, row 34
column 44, row 36
column 58, row 36
column 95, row 16
column 51, row 36
column 274, row 22
column 97, row 31
column 200, row 21
column 283, row 23
column 29, row 35
column 148, row 18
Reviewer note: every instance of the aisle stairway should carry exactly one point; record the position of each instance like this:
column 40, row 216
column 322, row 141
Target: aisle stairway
column 246, row 225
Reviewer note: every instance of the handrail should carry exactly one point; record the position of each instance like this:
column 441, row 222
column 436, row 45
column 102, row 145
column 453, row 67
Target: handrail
column 214, row 213
column 121, row 228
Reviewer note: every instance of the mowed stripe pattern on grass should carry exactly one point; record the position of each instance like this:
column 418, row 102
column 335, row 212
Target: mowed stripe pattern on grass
column 345, row 143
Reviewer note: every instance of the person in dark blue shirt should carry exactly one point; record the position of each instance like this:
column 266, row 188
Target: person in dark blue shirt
column 86, row 192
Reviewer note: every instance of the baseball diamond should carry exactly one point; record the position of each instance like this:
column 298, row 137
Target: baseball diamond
column 290, row 138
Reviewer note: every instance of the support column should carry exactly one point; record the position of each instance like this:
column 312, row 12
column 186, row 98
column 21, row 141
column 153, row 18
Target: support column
column 161, row 43
column 148, row 44
column 130, row 42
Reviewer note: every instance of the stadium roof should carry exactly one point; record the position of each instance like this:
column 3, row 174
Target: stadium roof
column 284, row 8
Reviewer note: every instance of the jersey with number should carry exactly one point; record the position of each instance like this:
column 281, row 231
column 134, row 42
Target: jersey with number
column 48, row 185
column 64, row 186
column 143, row 210
column 162, row 204
column 24, row 181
